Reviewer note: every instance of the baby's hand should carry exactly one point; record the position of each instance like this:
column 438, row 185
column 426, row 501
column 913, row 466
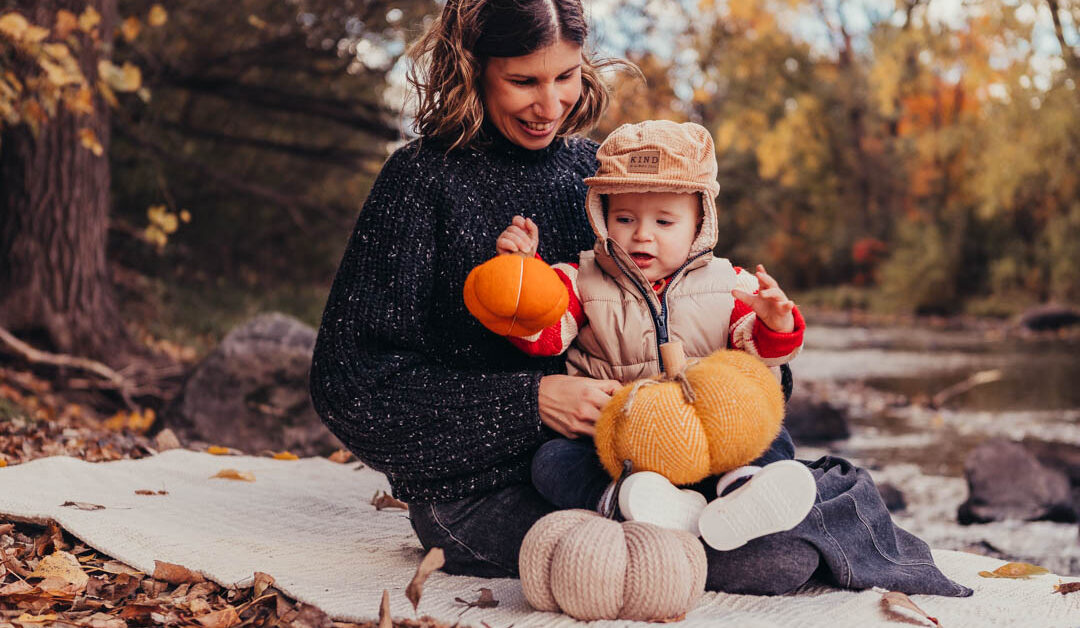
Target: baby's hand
column 770, row 304
column 522, row 236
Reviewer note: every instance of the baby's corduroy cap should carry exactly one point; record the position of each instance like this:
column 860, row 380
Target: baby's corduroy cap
column 657, row 156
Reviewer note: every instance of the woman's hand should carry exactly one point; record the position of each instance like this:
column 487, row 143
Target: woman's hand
column 522, row 236
column 571, row 405
column 770, row 304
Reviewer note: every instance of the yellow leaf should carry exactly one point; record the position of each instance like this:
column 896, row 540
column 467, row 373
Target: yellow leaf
column 122, row 79
column 3, row 463
column 14, row 26
column 35, row 34
column 233, row 474
column 158, row 16
column 89, row 19
column 61, row 565
column 1015, row 570
column 66, row 22
column 90, row 141
column 82, row 101
column 286, row 455
column 130, row 29
column 257, row 22
column 185, row 216
column 218, row 451
column 35, row 619
column 58, row 75
column 107, row 93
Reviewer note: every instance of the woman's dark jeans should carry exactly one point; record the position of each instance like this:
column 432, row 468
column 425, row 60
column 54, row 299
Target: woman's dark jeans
column 848, row 539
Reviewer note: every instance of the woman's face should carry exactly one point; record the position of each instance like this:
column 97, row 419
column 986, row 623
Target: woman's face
column 528, row 97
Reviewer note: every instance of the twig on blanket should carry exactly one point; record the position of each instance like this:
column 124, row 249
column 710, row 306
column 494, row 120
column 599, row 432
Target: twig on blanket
column 385, row 621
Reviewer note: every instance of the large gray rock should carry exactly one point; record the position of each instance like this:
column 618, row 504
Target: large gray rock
column 1007, row 482
column 251, row 392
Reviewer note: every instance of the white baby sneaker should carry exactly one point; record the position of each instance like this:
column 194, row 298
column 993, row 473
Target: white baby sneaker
column 649, row 497
column 776, row 498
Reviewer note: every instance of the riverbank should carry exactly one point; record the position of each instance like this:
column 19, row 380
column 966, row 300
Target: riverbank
column 885, row 378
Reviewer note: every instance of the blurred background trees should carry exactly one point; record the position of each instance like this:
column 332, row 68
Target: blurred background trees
column 916, row 156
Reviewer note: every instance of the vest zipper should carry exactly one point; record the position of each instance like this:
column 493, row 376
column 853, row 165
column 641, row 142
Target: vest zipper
column 659, row 318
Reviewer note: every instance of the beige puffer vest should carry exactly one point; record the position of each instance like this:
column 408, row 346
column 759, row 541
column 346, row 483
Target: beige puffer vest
column 622, row 338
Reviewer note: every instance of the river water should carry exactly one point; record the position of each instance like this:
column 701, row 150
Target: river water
column 887, row 379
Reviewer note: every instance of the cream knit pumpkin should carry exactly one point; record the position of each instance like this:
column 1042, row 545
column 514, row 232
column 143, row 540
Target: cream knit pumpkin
column 590, row 567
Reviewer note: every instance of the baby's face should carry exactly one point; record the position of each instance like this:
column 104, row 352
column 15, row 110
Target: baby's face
column 655, row 228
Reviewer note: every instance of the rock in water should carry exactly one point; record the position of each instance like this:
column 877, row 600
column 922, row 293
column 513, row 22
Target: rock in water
column 251, row 392
column 1007, row 482
column 810, row 421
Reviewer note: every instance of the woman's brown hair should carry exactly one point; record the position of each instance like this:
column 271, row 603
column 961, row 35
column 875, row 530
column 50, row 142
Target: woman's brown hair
column 447, row 62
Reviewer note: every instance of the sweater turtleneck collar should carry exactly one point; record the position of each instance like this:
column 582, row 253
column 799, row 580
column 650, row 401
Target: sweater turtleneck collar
column 492, row 140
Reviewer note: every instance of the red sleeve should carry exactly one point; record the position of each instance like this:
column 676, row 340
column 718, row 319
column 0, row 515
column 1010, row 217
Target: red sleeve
column 556, row 339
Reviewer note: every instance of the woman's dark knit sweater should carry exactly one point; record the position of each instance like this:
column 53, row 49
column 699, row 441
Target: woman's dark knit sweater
column 402, row 374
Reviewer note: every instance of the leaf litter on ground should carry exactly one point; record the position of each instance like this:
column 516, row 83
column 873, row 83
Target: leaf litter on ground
column 38, row 423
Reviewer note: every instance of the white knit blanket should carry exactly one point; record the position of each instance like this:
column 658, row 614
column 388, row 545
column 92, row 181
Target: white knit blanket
column 309, row 523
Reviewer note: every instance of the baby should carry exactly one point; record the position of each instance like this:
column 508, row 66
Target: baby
column 651, row 278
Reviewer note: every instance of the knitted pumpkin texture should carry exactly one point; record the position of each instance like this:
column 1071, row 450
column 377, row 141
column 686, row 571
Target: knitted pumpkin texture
column 589, row 567
column 514, row 295
column 735, row 414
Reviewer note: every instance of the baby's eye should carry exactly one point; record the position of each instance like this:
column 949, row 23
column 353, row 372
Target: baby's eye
column 665, row 222
column 625, row 220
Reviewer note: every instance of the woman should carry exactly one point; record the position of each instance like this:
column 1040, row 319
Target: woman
column 451, row 413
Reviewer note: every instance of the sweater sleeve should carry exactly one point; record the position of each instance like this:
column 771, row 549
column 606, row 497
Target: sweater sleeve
column 747, row 333
column 374, row 380
column 556, row 339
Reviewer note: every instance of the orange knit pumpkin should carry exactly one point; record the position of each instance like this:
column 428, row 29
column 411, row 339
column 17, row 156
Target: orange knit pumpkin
column 736, row 413
column 514, row 295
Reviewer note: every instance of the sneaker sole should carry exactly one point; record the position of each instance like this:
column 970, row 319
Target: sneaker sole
column 650, row 498
column 775, row 499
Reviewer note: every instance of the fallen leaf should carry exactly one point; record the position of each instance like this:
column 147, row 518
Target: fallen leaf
column 381, row 500
column 198, row 606
column 139, row 613
column 1015, row 570
column 233, row 474
column 63, row 566
column 82, row 506
column 262, row 582
column 217, row 450
column 672, row 620
column 385, row 621
column 486, row 600
column 1067, row 587
column 896, row 602
column 18, row 587
column 36, row 619
column 341, row 456
column 225, row 618
column 7, row 527
column 117, row 567
column 146, row 491
column 286, row 455
column 175, row 574
column 432, row 561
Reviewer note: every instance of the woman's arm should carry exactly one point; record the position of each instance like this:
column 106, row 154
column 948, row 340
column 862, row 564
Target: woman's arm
column 374, row 380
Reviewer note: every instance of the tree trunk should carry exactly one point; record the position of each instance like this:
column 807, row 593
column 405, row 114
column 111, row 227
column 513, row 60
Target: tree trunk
column 54, row 205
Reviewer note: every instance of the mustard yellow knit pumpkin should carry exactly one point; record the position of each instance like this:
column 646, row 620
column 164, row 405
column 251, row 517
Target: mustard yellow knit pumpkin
column 514, row 295
column 736, row 413
column 589, row 567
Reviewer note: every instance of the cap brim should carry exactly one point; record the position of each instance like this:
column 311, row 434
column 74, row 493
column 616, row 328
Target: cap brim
column 615, row 185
